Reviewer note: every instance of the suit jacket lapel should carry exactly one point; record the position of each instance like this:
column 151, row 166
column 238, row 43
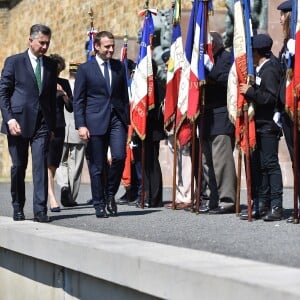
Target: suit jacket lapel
column 46, row 71
column 100, row 76
column 96, row 70
column 29, row 68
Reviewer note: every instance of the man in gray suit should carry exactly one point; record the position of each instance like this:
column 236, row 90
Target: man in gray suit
column 68, row 175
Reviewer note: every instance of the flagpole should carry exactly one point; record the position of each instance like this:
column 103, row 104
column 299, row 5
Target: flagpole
column 91, row 51
column 193, row 152
column 250, row 80
column 193, row 166
column 248, row 164
column 238, row 186
column 201, row 116
column 174, row 170
column 146, row 6
column 200, row 163
column 174, row 145
column 294, row 25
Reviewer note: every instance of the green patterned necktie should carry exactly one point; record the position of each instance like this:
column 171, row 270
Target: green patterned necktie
column 38, row 74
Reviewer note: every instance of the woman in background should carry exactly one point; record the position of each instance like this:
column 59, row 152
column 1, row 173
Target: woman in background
column 64, row 98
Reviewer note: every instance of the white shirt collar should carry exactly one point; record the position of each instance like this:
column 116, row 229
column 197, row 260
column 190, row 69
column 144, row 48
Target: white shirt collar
column 100, row 61
column 260, row 66
column 33, row 57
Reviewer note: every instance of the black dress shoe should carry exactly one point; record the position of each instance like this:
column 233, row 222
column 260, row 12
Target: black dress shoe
column 255, row 214
column 112, row 206
column 138, row 204
column 204, row 209
column 89, row 202
column 55, row 209
column 222, row 210
column 275, row 214
column 244, row 214
column 41, row 217
column 133, row 203
column 122, row 201
column 147, row 205
column 101, row 213
column 18, row 216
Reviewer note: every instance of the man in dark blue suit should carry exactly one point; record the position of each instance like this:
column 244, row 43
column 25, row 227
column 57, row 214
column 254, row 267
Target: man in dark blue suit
column 101, row 111
column 27, row 101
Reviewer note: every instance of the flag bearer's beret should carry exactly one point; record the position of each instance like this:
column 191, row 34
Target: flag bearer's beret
column 285, row 6
column 262, row 41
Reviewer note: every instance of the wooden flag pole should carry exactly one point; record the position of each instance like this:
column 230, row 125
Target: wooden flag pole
column 238, row 186
column 193, row 166
column 200, row 163
column 248, row 163
column 174, row 171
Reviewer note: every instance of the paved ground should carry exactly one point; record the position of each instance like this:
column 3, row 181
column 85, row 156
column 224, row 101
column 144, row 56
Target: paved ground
column 275, row 242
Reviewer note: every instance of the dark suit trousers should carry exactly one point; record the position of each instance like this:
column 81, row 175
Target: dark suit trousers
column 115, row 138
column 18, row 149
column 152, row 173
column 266, row 175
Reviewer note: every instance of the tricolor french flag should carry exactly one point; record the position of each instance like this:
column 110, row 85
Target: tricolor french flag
column 183, row 126
column 195, row 51
column 237, row 75
column 175, row 64
column 142, row 84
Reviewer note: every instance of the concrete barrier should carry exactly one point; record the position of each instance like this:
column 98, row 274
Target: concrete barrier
column 42, row 261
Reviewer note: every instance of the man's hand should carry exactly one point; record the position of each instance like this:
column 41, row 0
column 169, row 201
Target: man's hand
column 84, row 133
column 52, row 135
column 244, row 88
column 63, row 93
column 14, row 127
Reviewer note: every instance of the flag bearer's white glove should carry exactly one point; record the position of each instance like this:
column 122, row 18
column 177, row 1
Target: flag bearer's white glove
column 207, row 62
column 291, row 45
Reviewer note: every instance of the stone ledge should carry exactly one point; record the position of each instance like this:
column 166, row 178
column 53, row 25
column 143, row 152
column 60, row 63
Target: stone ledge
column 160, row 270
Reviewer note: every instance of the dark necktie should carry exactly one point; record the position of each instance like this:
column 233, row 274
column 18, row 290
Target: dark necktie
column 38, row 74
column 106, row 75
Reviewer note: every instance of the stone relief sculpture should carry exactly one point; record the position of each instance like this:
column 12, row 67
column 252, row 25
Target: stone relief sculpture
column 259, row 12
column 161, row 39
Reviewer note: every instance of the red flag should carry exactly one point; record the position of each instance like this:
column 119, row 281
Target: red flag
column 297, row 55
column 237, row 75
column 293, row 77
